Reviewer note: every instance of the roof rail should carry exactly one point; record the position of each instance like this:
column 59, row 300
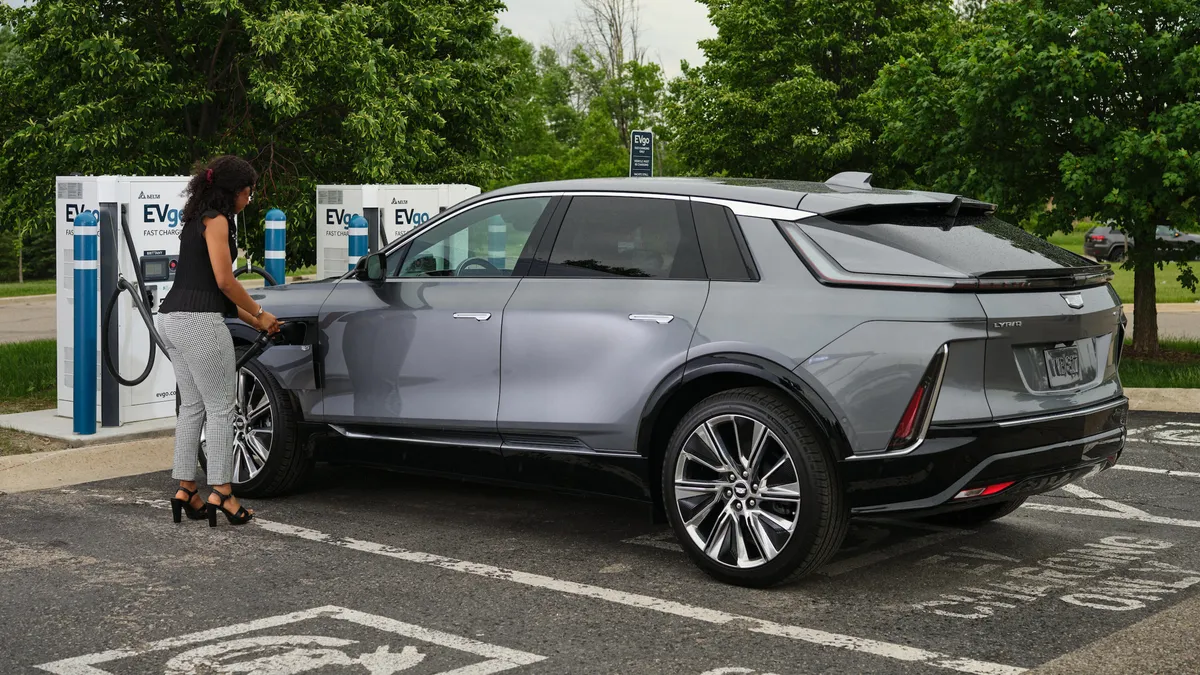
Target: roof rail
column 851, row 179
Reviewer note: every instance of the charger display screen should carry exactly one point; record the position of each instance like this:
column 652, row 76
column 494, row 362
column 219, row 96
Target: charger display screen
column 155, row 269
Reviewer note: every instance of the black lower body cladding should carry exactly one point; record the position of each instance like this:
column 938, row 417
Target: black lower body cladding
column 1035, row 454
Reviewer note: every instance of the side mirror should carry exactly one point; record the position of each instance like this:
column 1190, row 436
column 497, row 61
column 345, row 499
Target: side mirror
column 372, row 269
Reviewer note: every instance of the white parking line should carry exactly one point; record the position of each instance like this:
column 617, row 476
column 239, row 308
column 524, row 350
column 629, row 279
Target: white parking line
column 1164, row 472
column 810, row 635
column 665, row 541
column 1117, row 510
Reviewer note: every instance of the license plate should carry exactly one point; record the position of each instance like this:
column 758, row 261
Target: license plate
column 1062, row 366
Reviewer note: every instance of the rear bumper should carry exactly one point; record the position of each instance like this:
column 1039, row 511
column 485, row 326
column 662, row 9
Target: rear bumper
column 1036, row 454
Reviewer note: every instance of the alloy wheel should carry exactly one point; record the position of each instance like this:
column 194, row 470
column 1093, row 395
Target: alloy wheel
column 737, row 491
column 253, row 427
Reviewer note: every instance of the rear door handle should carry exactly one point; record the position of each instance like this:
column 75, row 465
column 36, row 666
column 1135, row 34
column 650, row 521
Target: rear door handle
column 478, row 316
column 656, row 318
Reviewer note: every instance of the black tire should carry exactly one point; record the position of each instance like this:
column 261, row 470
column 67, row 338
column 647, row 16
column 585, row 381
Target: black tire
column 1117, row 254
column 822, row 517
column 288, row 463
column 978, row 515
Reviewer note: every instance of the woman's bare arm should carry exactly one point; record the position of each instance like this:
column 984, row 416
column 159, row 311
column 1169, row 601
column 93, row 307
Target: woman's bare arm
column 216, row 233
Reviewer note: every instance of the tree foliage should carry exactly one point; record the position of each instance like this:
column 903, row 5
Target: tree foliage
column 787, row 88
column 388, row 91
column 575, row 113
column 1093, row 108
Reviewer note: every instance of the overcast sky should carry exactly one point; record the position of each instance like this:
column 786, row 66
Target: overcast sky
column 671, row 28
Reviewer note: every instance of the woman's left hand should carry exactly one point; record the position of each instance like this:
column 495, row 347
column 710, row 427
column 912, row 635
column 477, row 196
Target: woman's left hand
column 268, row 322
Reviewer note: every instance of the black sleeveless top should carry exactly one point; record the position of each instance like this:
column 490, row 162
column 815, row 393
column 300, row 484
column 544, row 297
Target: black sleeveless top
column 195, row 288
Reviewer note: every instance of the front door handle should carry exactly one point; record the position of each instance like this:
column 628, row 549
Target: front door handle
column 656, row 318
column 478, row 316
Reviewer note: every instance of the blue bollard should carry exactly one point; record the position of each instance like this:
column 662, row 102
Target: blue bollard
column 358, row 240
column 275, row 246
column 497, row 234
column 87, row 319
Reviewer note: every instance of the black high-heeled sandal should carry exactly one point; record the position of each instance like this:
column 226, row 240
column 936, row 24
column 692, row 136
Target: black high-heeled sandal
column 240, row 518
column 178, row 506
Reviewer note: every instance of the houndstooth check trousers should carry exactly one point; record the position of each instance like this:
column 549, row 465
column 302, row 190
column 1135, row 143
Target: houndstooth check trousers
column 201, row 351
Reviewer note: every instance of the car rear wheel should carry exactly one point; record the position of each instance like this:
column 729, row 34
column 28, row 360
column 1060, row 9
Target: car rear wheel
column 750, row 490
column 1117, row 254
column 978, row 515
column 268, row 455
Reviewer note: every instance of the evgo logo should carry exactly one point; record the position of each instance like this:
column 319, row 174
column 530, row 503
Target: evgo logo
column 160, row 213
column 338, row 217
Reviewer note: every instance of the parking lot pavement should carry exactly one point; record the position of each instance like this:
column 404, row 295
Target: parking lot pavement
column 30, row 318
column 374, row 572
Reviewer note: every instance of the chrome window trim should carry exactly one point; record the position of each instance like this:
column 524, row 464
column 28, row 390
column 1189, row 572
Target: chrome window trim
column 739, row 208
column 755, row 210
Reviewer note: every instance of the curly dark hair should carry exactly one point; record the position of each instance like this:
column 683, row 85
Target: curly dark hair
column 216, row 185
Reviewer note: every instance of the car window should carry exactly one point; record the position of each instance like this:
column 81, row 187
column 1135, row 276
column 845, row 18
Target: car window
column 486, row 241
column 626, row 237
column 724, row 258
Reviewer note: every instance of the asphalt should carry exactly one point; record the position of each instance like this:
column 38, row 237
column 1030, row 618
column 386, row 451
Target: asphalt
column 377, row 572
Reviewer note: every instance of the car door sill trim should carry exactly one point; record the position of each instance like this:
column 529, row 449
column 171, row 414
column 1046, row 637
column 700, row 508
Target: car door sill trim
column 568, row 450
column 415, row 439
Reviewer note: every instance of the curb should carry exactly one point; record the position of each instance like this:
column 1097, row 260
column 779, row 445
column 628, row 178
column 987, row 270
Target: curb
column 1164, row 400
column 62, row 468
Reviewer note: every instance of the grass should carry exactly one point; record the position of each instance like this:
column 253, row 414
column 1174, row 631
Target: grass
column 1169, row 289
column 1176, row 366
column 27, row 382
column 302, row 271
column 29, row 373
column 17, row 443
column 39, row 287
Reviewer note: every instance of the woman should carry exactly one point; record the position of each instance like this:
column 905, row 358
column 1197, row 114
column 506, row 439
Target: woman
column 191, row 321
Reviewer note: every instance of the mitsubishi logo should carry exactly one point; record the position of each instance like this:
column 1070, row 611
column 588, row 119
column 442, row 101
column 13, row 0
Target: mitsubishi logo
column 1074, row 300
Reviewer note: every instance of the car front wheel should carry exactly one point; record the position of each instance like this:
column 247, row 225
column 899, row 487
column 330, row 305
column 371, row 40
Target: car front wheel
column 268, row 455
column 750, row 490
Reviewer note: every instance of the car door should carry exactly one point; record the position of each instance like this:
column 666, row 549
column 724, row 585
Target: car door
column 416, row 359
column 606, row 315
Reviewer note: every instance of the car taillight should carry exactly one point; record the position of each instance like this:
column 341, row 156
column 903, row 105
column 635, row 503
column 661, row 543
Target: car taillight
column 985, row 491
column 1097, row 237
column 915, row 421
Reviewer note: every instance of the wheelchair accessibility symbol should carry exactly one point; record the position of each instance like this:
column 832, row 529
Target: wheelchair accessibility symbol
column 256, row 648
column 289, row 654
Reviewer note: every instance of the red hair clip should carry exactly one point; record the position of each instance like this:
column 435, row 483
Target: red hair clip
column 208, row 176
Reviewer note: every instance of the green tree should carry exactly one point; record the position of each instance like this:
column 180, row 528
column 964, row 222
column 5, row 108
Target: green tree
column 787, row 88
column 389, row 91
column 1094, row 108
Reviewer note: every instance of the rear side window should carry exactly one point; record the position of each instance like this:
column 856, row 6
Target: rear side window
column 726, row 257
column 931, row 245
column 626, row 237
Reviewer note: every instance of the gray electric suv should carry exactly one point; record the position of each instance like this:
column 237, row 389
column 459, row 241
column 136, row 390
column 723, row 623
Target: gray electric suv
column 759, row 360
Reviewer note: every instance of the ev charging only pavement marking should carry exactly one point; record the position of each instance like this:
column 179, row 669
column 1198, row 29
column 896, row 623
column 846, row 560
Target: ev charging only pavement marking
column 889, row 650
column 310, row 652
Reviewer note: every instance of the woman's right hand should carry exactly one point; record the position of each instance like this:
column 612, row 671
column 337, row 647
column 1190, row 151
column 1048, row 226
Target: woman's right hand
column 267, row 322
